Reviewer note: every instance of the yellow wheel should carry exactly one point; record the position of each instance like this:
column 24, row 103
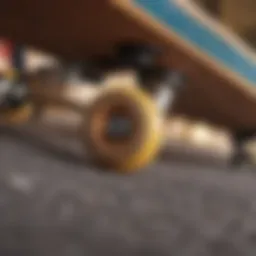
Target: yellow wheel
column 122, row 129
column 17, row 116
column 10, row 75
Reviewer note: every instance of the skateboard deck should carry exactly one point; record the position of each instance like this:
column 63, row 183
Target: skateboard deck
column 220, row 68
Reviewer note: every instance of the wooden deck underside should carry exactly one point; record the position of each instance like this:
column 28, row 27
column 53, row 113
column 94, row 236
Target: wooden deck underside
column 80, row 28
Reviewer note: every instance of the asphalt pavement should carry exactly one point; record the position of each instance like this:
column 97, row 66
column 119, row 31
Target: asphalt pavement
column 55, row 203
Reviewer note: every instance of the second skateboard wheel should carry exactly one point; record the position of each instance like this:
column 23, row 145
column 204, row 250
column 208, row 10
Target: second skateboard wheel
column 18, row 115
column 122, row 129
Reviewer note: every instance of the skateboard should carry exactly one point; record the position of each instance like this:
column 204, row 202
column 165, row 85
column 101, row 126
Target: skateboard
column 175, row 58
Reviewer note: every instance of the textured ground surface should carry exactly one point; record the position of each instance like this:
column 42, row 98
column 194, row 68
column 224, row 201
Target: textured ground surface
column 52, row 204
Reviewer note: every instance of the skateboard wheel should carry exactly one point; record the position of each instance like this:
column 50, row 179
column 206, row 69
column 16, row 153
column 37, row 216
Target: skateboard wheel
column 18, row 115
column 122, row 129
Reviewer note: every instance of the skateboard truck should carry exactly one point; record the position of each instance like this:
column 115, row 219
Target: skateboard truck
column 162, row 83
column 122, row 127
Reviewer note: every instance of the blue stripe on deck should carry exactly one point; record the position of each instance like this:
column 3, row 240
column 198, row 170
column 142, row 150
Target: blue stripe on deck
column 199, row 35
